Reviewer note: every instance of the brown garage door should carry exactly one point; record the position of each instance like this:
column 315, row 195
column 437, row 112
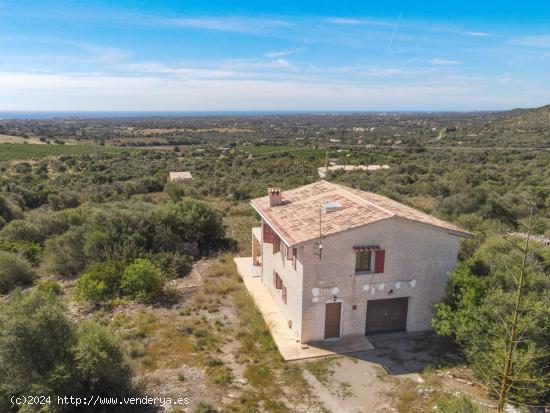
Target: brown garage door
column 386, row 315
column 332, row 320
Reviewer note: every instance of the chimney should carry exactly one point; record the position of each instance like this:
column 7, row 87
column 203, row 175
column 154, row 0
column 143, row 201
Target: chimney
column 275, row 196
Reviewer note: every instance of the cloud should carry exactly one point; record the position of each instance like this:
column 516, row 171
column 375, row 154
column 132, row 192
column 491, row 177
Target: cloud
column 390, row 43
column 31, row 91
column 103, row 53
column 542, row 41
column 279, row 54
column 478, row 34
column 227, row 69
column 439, row 61
column 250, row 25
column 343, row 20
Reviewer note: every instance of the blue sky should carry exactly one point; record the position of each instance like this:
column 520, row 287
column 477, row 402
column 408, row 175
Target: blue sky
column 285, row 55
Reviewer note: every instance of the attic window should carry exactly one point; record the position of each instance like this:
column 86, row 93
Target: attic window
column 332, row 207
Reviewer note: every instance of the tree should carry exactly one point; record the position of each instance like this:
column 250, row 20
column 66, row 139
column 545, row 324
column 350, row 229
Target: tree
column 497, row 308
column 520, row 357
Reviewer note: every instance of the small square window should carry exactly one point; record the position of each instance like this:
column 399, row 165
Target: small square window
column 363, row 261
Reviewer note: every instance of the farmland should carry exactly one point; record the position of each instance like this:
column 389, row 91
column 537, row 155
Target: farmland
column 24, row 151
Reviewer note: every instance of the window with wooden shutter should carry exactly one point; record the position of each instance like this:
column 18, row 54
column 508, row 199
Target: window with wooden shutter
column 276, row 244
column 278, row 281
column 379, row 257
column 284, row 294
column 294, row 257
column 363, row 261
column 267, row 233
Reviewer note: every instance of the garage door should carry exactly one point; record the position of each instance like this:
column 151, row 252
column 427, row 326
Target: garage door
column 386, row 315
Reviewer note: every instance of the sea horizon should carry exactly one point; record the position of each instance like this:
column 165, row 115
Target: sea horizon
column 39, row 114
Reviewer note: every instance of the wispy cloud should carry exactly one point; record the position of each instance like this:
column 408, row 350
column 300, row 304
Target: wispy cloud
column 542, row 41
column 478, row 34
column 251, row 25
column 343, row 20
column 390, row 43
column 440, row 61
column 274, row 54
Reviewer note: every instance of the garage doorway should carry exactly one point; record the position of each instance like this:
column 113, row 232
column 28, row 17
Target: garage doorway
column 333, row 312
column 387, row 315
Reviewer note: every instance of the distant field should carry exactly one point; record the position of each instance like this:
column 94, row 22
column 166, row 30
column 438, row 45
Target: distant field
column 299, row 152
column 22, row 151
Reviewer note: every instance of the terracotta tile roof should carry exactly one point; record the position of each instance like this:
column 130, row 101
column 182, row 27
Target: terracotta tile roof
column 297, row 219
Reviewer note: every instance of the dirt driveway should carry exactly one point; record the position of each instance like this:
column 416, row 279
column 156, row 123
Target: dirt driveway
column 390, row 378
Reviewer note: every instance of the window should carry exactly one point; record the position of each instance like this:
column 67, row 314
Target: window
column 276, row 244
column 277, row 281
column 363, row 261
column 294, row 256
column 268, row 233
column 284, row 253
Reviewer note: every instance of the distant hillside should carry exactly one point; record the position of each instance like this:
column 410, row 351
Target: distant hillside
column 525, row 119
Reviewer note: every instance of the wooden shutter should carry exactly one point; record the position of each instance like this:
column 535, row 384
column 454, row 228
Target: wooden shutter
column 379, row 257
column 284, row 294
column 294, row 257
column 268, row 234
column 276, row 243
column 289, row 253
column 278, row 282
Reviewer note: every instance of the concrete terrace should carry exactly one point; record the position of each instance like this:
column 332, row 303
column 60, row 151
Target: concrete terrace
column 286, row 342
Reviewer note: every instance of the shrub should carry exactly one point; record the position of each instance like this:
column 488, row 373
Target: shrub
column 63, row 254
column 14, row 271
column 100, row 281
column 50, row 286
column 174, row 265
column 100, row 362
column 30, row 250
column 19, row 230
column 142, row 280
column 42, row 351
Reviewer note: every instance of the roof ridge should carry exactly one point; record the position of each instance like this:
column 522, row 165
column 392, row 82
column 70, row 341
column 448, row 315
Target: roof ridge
column 342, row 187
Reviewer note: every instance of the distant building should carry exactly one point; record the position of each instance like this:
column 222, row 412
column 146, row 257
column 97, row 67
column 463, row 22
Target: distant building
column 322, row 171
column 179, row 176
column 340, row 262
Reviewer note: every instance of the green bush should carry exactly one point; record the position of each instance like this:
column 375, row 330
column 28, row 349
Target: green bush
column 174, row 265
column 457, row 405
column 100, row 281
column 43, row 352
column 63, row 254
column 142, row 280
column 30, row 250
column 14, row 271
column 20, row 230
column 100, row 362
column 49, row 286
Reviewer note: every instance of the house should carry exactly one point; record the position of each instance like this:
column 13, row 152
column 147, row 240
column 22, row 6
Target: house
column 340, row 262
column 179, row 176
column 322, row 171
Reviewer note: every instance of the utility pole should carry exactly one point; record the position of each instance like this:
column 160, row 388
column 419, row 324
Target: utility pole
column 326, row 162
